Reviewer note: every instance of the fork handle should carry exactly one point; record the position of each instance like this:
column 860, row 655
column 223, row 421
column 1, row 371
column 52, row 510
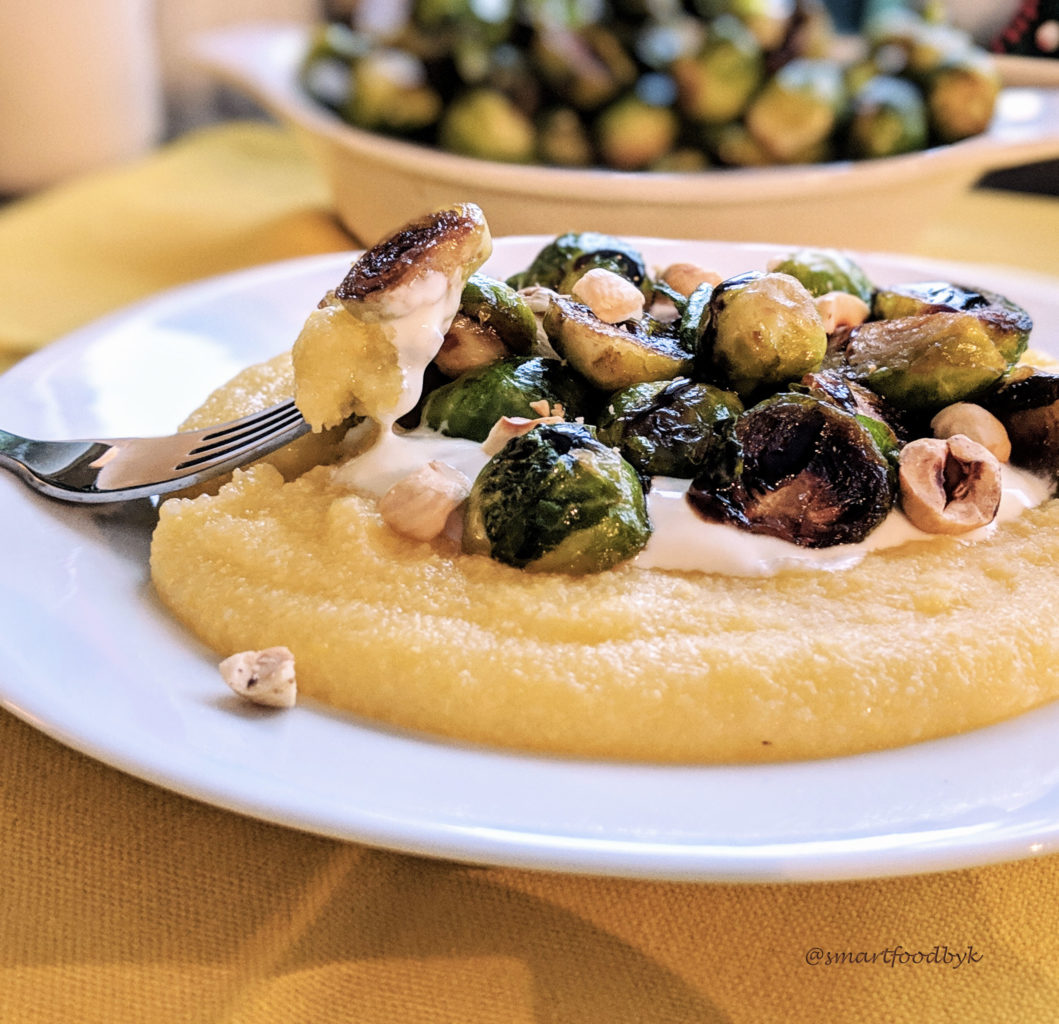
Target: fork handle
column 35, row 461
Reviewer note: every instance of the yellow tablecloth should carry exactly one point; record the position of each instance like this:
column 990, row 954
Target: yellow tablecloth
column 120, row 902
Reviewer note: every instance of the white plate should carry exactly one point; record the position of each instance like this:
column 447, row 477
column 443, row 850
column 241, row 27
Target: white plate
column 89, row 657
column 378, row 183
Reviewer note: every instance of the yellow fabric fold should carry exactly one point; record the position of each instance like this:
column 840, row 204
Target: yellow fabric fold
column 222, row 199
column 123, row 902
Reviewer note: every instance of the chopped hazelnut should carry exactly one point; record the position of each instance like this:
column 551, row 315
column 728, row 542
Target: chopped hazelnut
column 263, row 677
column 841, row 309
column 610, row 296
column 686, row 277
column 419, row 505
column 508, row 427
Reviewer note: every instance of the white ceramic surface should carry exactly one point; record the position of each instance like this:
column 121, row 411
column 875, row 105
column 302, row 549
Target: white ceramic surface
column 88, row 656
column 379, row 183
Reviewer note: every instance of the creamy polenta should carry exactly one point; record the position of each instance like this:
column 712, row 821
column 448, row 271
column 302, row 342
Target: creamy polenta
column 917, row 641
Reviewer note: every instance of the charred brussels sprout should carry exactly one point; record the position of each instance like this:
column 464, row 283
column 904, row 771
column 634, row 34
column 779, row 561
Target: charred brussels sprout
column 811, row 474
column 826, row 270
column 612, row 356
column 764, row 331
column 569, row 256
column 671, row 428
column 469, row 405
column 889, row 117
column 1027, row 403
column 484, row 123
column 925, row 361
column 1008, row 324
column 557, row 500
column 715, row 85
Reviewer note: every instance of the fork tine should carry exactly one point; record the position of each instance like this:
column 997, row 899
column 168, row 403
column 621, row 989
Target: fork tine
column 281, row 424
column 219, row 443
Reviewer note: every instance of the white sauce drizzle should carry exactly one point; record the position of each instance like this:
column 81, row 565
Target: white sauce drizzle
column 681, row 538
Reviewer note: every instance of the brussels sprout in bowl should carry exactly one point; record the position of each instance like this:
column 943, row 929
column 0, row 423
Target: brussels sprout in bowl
column 377, row 181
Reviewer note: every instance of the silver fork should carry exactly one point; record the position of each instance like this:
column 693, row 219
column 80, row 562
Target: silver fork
column 124, row 468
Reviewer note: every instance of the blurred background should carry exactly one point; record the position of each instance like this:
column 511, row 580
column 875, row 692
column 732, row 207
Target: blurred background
column 137, row 85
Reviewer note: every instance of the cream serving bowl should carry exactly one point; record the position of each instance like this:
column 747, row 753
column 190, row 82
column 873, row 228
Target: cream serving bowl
column 379, row 182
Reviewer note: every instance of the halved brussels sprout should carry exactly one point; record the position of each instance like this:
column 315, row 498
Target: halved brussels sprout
column 557, row 500
column 573, row 254
column 471, row 404
column 925, row 361
column 1008, row 324
column 493, row 321
column 826, row 270
column 612, row 356
column 671, row 428
column 764, row 331
column 496, row 305
column 811, row 474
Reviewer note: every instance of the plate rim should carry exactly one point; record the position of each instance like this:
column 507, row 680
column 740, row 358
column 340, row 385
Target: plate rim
column 1007, row 838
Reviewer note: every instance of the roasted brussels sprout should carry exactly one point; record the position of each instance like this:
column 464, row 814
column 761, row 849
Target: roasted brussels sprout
column 694, row 318
column 612, row 356
column 327, row 66
column 495, row 304
column 469, row 405
column 389, row 92
column 811, row 474
column 894, row 426
column 715, row 85
column 493, row 321
column 767, row 19
column 798, row 108
column 671, row 428
column 485, row 123
column 764, row 331
column 889, row 116
column 925, row 361
column 1026, row 402
column 632, row 133
column 557, row 500
column 961, row 96
column 1007, row 323
column 826, row 270
column 569, row 256
column 563, row 140
column 586, row 67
